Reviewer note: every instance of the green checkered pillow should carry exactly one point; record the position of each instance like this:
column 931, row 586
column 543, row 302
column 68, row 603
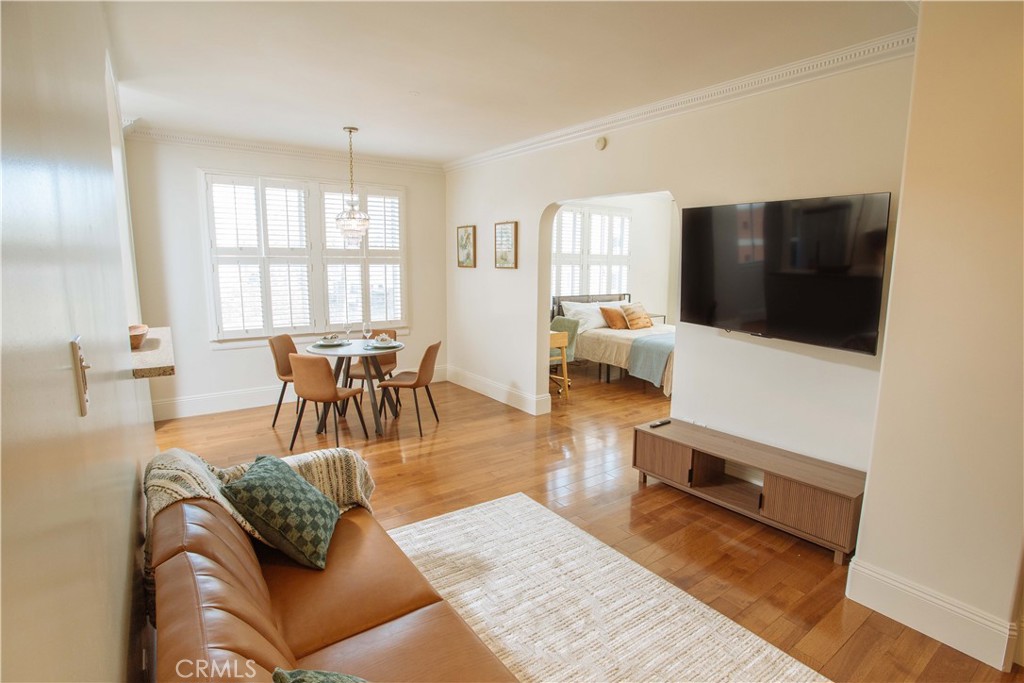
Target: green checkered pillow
column 288, row 511
column 309, row 676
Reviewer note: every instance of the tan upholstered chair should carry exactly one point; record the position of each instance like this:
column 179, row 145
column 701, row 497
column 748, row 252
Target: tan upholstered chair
column 388, row 361
column 415, row 380
column 314, row 381
column 282, row 346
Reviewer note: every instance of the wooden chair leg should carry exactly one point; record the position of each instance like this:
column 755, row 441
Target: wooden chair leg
column 417, row 402
column 280, row 400
column 298, row 421
column 565, row 373
column 432, row 407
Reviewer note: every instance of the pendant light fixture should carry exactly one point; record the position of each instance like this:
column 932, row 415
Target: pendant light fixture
column 352, row 221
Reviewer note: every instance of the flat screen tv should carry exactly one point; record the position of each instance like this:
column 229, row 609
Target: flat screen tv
column 805, row 270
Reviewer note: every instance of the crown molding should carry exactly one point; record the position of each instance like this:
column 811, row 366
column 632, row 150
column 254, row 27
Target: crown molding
column 883, row 49
column 173, row 137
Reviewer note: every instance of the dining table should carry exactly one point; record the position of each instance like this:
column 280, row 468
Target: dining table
column 344, row 352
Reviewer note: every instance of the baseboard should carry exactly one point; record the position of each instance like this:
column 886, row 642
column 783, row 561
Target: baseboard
column 528, row 403
column 238, row 399
column 976, row 633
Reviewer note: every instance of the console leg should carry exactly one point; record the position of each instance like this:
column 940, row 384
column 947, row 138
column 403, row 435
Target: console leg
column 840, row 557
column 643, row 479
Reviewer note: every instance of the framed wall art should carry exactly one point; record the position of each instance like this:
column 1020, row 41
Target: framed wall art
column 465, row 246
column 506, row 244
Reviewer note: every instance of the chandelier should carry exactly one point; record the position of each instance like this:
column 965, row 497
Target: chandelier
column 352, row 221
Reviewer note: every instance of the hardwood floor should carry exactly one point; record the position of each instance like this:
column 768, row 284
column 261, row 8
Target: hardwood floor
column 577, row 462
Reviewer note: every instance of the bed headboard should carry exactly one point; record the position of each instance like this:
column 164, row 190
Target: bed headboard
column 556, row 301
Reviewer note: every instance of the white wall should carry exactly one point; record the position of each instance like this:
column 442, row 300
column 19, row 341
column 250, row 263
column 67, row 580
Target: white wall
column 941, row 533
column 71, row 493
column 167, row 203
column 837, row 135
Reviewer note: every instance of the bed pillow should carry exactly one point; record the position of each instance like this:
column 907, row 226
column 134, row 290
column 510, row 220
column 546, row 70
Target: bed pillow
column 589, row 315
column 636, row 317
column 614, row 317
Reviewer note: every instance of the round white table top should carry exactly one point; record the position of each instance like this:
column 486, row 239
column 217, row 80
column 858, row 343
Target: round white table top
column 356, row 349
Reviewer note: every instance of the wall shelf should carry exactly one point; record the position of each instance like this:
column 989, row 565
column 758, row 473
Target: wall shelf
column 155, row 358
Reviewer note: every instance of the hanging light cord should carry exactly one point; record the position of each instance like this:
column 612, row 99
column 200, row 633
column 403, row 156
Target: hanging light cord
column 351, row 184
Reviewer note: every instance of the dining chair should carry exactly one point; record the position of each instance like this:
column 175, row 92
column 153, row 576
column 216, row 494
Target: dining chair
column 314, row 381
column 416, row 380
column 282, row 346
column 563, row 355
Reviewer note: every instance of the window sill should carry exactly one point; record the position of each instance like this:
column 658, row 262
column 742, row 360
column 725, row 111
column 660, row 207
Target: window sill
column 300, row 340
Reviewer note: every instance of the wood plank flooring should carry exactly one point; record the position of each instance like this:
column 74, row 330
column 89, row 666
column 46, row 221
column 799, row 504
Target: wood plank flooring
column 577, row 462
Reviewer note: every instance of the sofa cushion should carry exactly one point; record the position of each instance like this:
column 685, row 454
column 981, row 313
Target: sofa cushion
column 212, row 602
column 288, row 511
column 368, row 581
column 430, row 644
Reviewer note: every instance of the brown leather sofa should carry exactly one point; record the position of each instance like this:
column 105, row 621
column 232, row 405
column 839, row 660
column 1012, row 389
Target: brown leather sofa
column 229, row 609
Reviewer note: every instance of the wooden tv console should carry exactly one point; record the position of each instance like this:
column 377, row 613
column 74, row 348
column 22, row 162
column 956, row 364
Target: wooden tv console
column 815, row 500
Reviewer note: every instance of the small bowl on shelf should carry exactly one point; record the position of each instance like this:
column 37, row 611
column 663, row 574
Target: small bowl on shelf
column 137, row 335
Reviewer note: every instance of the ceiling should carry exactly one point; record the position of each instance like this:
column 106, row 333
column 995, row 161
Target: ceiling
column 436, row 82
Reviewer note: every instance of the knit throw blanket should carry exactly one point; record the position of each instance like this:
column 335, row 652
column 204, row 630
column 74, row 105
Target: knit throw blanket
column 176, row 474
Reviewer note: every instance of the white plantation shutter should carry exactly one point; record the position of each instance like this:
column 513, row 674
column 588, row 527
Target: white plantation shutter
column 364, row 276
column 281, row 265
column 289, row 294
column 590, row 251
column 384, row 232
column 240, row 294
column 567, row 252
column 234, row 211
column 385, row 292
column 344, row 293
column 285, row 217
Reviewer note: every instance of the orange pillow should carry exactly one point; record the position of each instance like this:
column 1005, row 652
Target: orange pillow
column 613, row 317
column 636, row 317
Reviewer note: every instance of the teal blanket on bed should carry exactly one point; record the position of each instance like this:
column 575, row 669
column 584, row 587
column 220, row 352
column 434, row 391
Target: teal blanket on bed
column 648, row 355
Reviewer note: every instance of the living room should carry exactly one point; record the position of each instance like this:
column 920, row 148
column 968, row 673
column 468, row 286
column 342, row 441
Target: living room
column 910, row 415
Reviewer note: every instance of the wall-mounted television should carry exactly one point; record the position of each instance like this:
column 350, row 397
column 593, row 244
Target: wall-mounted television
column 805, row 270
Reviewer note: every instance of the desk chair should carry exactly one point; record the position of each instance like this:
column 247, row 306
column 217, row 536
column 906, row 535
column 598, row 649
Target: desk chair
column 564, row 336
column 314, row 381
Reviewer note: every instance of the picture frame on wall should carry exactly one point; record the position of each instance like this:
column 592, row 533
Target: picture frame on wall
column 465, row 246
column 506, row 244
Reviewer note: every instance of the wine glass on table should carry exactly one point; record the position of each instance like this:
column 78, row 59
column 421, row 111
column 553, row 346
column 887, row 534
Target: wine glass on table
column 348, row 330
column 366, row 333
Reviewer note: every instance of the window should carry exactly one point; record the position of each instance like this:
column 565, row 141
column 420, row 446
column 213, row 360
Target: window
column 590, row 251
column 280, row 265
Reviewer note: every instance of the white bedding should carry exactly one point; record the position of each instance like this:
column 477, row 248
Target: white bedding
column 605, row 345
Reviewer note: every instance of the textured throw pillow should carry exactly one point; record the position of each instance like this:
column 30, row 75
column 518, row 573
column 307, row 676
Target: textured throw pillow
column 288, row 511
column 614, row 317
column 636, row 317
column 310, row 676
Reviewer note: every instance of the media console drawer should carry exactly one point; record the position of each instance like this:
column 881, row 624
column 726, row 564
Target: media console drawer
column 813, row 499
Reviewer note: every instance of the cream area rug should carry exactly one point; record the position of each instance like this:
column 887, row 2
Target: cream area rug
column 556, row 604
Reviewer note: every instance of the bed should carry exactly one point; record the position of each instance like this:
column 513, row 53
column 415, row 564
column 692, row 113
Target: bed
column 645, row 353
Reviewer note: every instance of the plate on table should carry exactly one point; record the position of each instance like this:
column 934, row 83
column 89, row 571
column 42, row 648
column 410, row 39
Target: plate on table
column 332, row 342
column 382, row 345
